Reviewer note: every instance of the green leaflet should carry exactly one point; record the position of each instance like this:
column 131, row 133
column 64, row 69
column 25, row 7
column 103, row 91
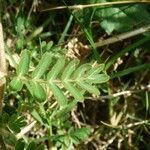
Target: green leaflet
column 69, row 69
column 61, row 99
column 95, row 70
column 40, row 147
column 36, row 115
column 31, row 146
column 20, row 24
column 67, row 109
column 20, row 44
column 16, row 84
column 49, row 45
column 28, row 86
column 23, row 65
column 56, row 69
column 20, row 144
column 99, row 78
column 79, row 133
column 80, row 72
column 52, row 75
column 88, row 87
column 42, row 66
column 74, row 91
column 130, row 70
column 38, row 92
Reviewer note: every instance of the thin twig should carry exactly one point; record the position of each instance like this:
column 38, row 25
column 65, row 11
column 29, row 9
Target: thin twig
column 123, row 36
column 128, row 125
column 26, row 129
column 96, row 5
column 127, row 93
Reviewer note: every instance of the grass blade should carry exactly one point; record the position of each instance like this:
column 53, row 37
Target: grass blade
column 66, row 29
column 130, row 70
column 112, row 60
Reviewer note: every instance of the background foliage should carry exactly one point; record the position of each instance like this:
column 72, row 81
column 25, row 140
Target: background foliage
column 65, row 92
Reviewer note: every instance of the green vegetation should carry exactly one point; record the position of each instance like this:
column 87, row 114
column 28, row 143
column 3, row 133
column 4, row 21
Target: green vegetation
column 77, row 75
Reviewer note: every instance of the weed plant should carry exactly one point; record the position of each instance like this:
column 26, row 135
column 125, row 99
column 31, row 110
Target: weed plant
column 77, row 78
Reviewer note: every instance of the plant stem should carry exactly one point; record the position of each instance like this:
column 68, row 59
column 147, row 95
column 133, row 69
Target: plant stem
column 123, row 36
column 97, row 5
column 3, row 68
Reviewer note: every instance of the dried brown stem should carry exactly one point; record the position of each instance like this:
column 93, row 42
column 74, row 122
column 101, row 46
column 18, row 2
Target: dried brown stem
column 120, row 37
column 123, row 36
column 3, row 68
column 98, row 5
column 125, row 93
